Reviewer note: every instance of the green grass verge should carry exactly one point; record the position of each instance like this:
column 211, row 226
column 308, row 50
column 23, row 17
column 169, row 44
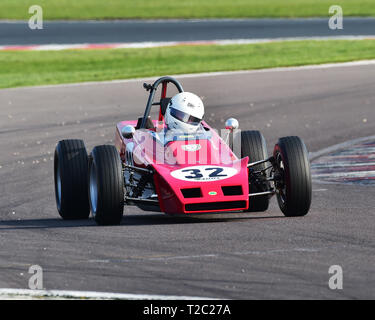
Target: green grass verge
column 147, row 9
column 29, row 68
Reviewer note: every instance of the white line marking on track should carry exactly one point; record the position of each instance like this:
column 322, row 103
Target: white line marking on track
column 151, row 258
column 201, row 256
column 352, row 174
column 263, row 252
column 65, row 294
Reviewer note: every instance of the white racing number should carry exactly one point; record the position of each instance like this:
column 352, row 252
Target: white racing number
column 204, row 173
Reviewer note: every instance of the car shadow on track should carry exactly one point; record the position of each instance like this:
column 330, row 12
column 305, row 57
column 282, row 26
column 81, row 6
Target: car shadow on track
column 128, row 220
column 44, row 223
column 162, row 219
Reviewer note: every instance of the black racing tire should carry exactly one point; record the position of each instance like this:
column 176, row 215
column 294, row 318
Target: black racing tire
column 106, row 185
column 294, row 196
column 71, row 175
column 253, row 145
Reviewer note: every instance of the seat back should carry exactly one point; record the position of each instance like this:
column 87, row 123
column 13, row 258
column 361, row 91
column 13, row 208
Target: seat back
column 164, row 105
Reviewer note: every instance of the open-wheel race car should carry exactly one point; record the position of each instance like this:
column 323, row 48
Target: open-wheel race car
column 160, row 169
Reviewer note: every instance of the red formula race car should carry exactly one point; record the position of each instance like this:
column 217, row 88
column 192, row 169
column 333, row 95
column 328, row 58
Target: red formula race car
column 179, row 173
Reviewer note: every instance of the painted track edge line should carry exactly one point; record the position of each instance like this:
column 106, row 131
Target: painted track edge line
column 156, row 44
column 335, row 147
column 353, row 63
column 67, row 294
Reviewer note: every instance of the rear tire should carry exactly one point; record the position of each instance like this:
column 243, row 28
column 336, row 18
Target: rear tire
column 70, row 173
column 106, row 185
column 294, row 195
column 253, row 145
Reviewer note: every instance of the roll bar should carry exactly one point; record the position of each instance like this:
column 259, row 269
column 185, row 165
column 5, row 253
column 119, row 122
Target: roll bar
column 152, row 88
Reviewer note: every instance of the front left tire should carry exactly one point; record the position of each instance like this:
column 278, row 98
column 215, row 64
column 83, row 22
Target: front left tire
column 71, row 176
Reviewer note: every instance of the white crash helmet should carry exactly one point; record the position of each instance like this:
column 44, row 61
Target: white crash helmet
column 185, row 112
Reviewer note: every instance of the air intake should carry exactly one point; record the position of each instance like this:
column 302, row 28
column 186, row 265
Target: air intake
column 192, row 193
column 232, row 190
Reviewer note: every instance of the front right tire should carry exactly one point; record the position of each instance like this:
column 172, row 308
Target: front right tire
column 294, row 191
column 106, row 185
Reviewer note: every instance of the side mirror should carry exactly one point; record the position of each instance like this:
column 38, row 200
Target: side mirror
column 127, row 131
column 231, row 124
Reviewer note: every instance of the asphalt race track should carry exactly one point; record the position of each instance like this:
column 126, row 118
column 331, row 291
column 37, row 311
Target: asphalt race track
column 242, row 256
column 60, row 32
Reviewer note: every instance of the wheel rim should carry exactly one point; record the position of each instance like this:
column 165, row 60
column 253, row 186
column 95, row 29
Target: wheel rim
column 93, row 189
column 281, row 191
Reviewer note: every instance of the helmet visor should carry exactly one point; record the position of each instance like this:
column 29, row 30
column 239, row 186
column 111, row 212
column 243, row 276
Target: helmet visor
column 185, row 117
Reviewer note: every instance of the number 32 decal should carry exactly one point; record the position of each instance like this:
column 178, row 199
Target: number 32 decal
column 204, row 173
